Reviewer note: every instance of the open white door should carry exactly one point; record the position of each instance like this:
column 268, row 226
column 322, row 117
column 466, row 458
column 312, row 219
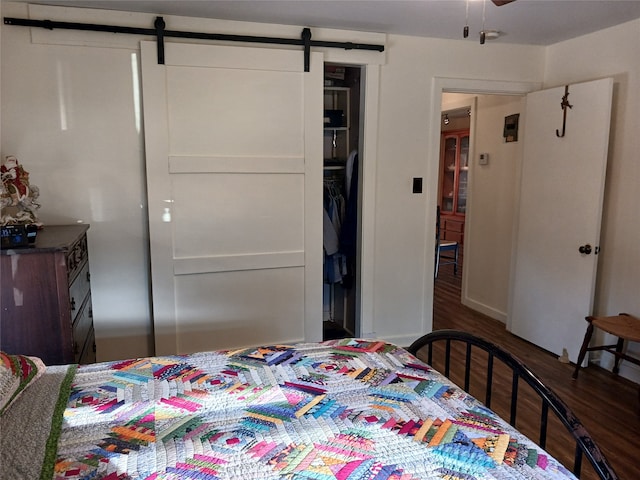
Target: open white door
column 233, row 140
column 562, row 191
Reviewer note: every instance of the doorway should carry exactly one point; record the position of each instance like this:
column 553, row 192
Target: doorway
column 564, row 158
column 485, row 221
column 342, row 198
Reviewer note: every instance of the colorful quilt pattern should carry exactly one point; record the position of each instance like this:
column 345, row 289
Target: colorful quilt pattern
column 344, row 409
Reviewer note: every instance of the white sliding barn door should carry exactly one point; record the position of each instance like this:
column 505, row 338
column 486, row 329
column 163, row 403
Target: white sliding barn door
column 562, row 191
column 233, row 141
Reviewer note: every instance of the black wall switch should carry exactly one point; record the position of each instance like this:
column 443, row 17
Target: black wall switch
column 417, row 184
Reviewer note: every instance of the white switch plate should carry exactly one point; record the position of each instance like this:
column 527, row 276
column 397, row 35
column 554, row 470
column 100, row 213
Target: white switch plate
column 484, row 159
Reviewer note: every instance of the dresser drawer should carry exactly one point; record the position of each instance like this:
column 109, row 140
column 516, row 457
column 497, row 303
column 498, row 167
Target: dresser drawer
column 453, row 236
column 79, row 289
column 76, row 257
column 453, row 225
column 82, row 326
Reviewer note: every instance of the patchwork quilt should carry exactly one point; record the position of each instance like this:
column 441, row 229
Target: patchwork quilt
column 344, row 409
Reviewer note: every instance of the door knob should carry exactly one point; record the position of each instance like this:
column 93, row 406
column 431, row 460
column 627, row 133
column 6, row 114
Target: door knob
column 586, row 249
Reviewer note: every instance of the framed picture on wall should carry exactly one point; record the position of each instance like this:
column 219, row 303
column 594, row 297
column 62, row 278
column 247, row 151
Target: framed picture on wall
column 511, row 128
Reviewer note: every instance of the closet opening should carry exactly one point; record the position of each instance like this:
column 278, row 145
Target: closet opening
column 342, row 194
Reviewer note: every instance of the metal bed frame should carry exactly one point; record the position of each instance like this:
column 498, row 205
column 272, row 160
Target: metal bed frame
column 585, row 445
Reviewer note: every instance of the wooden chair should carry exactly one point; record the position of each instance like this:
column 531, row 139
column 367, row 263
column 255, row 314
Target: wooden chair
column 446, row 250
column 623, row 326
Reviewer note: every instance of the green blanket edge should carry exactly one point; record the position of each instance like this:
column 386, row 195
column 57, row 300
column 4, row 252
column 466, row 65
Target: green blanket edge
column 56, row 425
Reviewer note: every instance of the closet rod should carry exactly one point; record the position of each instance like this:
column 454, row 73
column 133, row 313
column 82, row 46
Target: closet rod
column 160, row 33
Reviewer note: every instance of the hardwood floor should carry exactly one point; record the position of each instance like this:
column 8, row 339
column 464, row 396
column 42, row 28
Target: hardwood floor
column 607, row 405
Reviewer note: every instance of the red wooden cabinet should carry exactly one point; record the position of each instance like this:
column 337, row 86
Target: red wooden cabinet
column 454, row 169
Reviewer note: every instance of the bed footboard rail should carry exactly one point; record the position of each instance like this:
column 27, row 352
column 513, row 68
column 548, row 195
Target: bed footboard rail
column 584, row 443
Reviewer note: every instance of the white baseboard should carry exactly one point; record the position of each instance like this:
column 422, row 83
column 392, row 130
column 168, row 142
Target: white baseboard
column 485, row 309
column 628, row 370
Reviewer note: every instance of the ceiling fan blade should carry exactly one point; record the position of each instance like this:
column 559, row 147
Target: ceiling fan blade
column 499, row 3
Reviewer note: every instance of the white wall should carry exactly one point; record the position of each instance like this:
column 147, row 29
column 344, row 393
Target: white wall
column 69, row 116
column 612, row 52
column 492, row 203
column 403, row 286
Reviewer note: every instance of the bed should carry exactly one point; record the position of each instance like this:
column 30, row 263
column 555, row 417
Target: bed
column 342, row 409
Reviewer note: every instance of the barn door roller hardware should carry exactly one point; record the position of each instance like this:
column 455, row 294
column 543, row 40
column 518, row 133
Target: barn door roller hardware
column 564, row 104
column 161, row 33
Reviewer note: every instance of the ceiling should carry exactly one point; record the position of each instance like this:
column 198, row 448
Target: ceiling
column 532, row 22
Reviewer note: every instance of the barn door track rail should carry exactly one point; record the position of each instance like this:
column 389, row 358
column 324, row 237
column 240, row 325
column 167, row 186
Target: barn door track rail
column 159, row 31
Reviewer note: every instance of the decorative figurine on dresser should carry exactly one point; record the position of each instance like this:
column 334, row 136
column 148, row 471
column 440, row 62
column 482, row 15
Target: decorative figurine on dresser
column 45, row 303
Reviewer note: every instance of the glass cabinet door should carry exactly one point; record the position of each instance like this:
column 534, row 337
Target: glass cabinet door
column 461, row 198
column 454, row 172
column 449, row 173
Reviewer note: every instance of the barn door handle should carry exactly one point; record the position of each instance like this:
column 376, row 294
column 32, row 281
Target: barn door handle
column 586, row 249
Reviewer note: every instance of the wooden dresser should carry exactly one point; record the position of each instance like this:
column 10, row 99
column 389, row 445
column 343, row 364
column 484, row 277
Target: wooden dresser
column 46, row 298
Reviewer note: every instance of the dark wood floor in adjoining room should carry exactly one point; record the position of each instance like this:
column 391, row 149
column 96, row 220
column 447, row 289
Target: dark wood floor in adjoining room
column 607, row 405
